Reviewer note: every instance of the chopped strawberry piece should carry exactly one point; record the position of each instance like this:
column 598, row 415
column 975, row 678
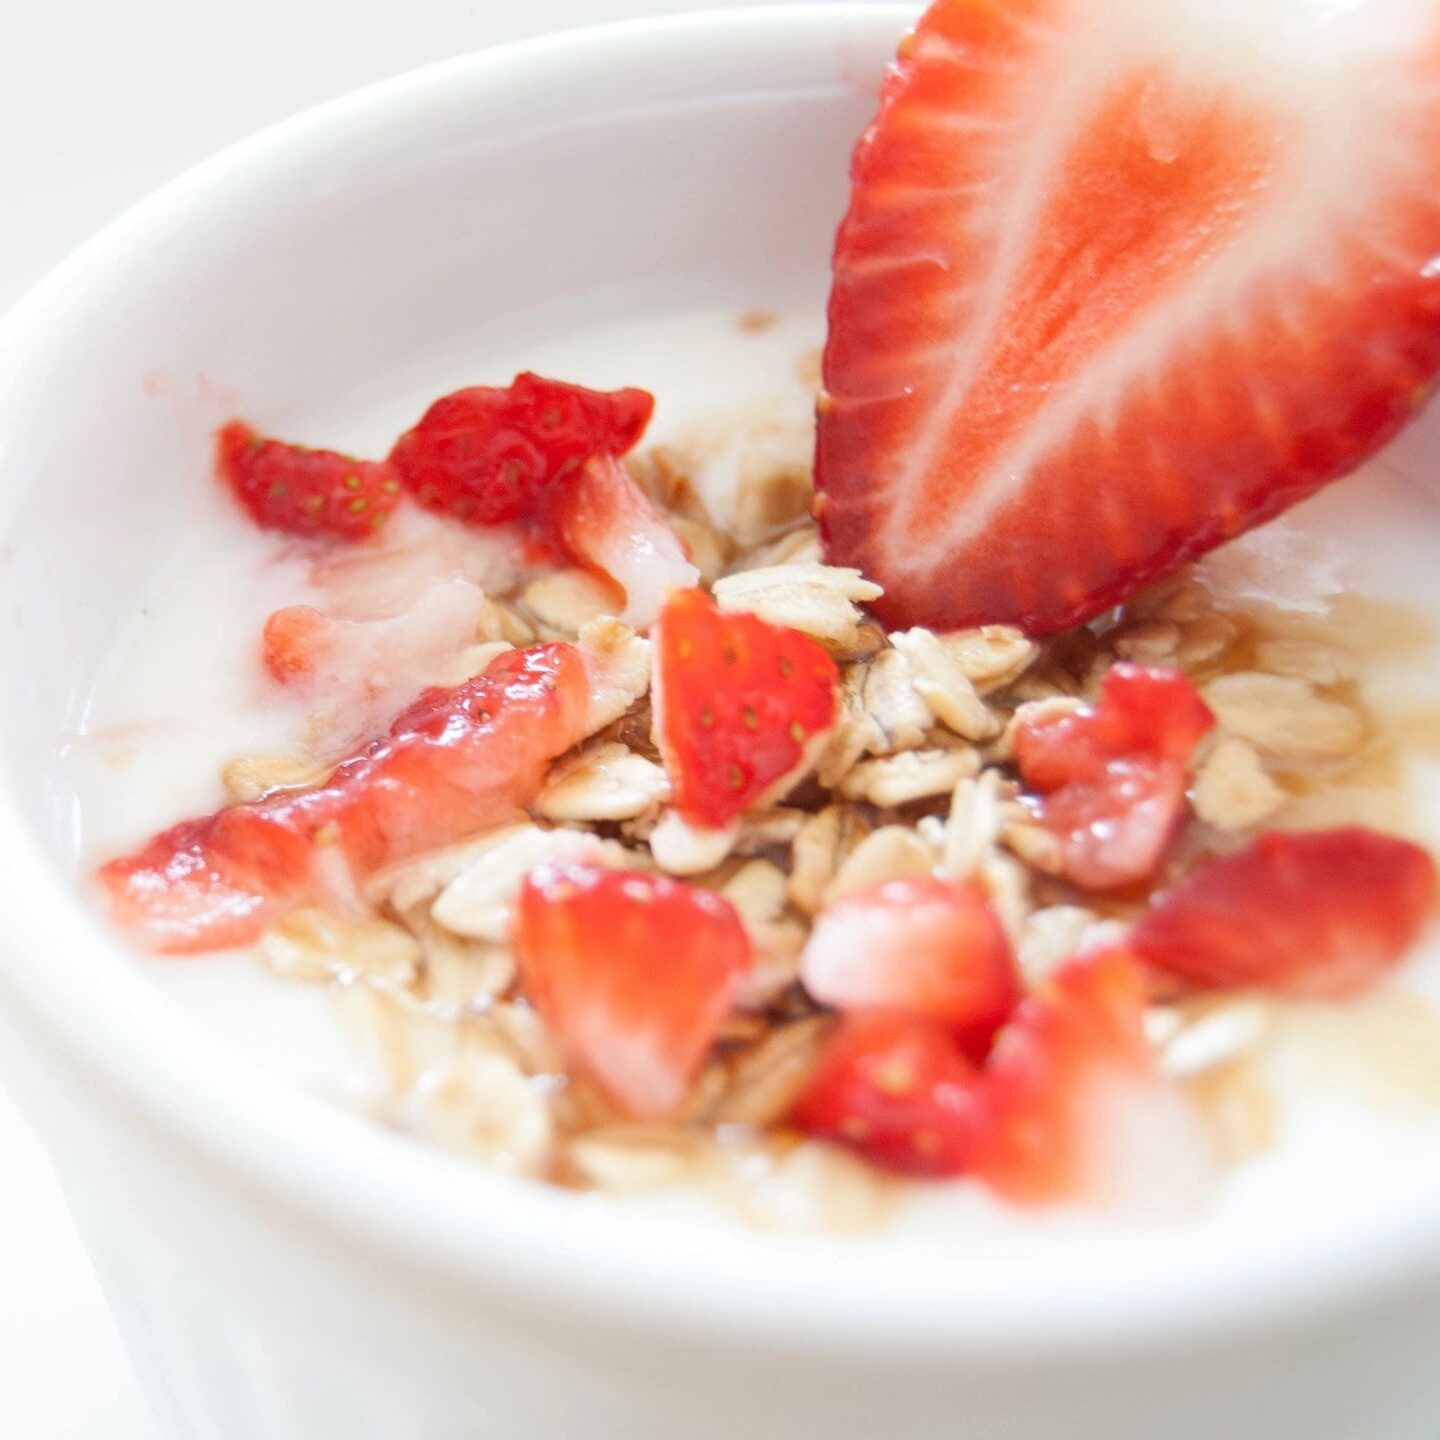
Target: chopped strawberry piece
column 740, row 706
column 606, row 521
column 372, row 659
column 1109, row 294
column 896, row 1089
column 1071, row 1107
column 1111, row 776
column 454, row 763
column 632, row 972
column 487, row 455
column 1323, row 913
column 925, row 947
column 294, row 642
column 305, row 492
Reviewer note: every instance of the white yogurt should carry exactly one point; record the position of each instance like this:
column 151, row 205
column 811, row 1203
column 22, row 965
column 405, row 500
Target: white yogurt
column 181, row 692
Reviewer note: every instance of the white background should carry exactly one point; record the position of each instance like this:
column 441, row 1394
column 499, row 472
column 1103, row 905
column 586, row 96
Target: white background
column 100, row 101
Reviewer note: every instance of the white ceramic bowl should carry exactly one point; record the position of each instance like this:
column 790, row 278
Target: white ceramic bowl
column 283, row 1271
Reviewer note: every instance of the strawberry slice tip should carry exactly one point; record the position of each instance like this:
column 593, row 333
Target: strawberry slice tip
column 1319, row 913
column 603, row 519
column 740, row 706
column 632, row 972
column 1109, row 293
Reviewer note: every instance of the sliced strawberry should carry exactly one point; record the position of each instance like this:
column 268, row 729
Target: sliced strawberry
column 1109, row 293
column 740, row 706
column 1071, row 1107
column 454, row 763
column 1111, row 776
column 896, row 1089
column 632, row 972
column 487, row 455
column 606, row 521
column 302, row 491
column 1324, row 913
column 924, row 947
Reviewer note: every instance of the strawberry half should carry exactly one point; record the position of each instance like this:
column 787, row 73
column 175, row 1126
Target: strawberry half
column 301, row 491
column 740, row 706
column 922, row 947
column 606, row 521
column 487, row 454
column 1110, row 292
column 1111, row 776
column 1071, row 1107
column 1323, row 913
column 633, row 973
column 456, row 762
column 896, row 1089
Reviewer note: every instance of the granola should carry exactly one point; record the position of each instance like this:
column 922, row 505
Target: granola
column 928, row 772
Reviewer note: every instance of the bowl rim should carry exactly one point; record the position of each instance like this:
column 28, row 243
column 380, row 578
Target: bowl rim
column 470, row 1230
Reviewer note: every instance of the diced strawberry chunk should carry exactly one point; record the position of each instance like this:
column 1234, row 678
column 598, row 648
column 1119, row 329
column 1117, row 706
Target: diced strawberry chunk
column 923, row 947
column 456, row 762
column 606, row 521
column 1111, row 776
column 740, row 706
column 294, row 642
column 1323, row 913
column 1071, row 1107
column 305, row 492
column 632, row 972
column 487, row 455
column 896, row 1089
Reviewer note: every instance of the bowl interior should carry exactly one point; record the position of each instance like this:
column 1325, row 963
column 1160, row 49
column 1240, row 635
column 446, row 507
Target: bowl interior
column 316, row 272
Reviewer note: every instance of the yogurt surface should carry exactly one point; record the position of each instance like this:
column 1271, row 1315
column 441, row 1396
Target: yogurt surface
column 1356, row 1088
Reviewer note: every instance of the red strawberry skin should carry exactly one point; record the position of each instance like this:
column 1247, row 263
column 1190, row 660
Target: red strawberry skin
column 922, row 947
column 1321, row 913
column 487, row 455
column 740, row 703
column 632, row 972
column 606, row 522
column 1111, row 776
column 313, row 493
column 896, row 1089
column 456, row 762
column 1073, row 1049
column 1107, row 296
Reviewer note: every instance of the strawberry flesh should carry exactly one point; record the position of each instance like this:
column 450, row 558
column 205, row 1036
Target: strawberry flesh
column 1320, row 913
column 740, row 706
column 922, row 947
column 1110, row 777
column 454, row 763
column 1108, row 294
column 896, row 1089
column 313, row 493
column 632, row 972
column 487, row 455
column 1071, row 1107
column 603, row 519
